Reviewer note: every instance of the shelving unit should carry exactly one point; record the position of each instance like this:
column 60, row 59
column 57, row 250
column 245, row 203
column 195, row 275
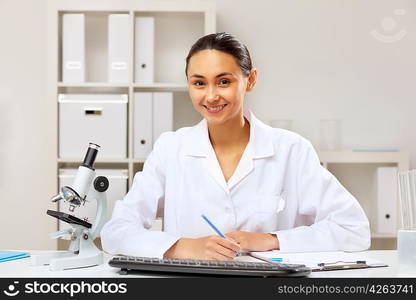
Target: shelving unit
column 178, row 24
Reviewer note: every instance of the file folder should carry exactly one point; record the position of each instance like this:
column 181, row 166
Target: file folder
column 387, row 200
column 73, row 48
column 162, row 113
column 144, row 50
column 118, row 47
column 143, row 124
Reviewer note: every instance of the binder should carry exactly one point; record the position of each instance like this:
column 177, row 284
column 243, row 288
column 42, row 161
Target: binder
column 73, row 48
column 143, row 124
column 144, row 50
column 162, row 113
column 386, row 200
column 118, row 47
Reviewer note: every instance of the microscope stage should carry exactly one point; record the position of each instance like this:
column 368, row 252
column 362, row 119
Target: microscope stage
column 68, row 218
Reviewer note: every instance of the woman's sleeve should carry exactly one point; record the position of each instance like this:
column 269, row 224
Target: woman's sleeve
column 337, row 221
column 128, row 230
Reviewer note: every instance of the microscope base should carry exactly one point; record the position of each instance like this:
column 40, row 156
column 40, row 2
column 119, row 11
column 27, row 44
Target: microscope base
column 87, row 256
column 76, row 261
column 44, row 259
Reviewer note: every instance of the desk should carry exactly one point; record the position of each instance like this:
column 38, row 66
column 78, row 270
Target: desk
column 22, row 268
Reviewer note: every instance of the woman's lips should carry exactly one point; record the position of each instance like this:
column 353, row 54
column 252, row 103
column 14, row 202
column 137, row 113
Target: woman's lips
column 215, row 109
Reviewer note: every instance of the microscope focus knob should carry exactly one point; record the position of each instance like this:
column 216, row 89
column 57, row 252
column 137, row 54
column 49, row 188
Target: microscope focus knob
column 101, row 184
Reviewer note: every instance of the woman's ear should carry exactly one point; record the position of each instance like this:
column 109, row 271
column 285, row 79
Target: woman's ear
column 252, row 78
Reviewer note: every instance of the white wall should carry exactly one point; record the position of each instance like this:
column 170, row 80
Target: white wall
column 317, row 59
column 26, row 169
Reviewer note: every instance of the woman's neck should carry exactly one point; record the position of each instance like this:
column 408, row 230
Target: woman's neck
column 233, row 133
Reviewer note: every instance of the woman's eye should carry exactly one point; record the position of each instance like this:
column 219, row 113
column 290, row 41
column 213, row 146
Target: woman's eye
column 224, row 81
column 198, row 83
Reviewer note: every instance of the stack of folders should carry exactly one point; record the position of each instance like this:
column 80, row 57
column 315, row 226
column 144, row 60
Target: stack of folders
column 407, row 198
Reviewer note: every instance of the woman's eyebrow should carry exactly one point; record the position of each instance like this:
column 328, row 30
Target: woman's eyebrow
column 219, row 75
column 223, row 74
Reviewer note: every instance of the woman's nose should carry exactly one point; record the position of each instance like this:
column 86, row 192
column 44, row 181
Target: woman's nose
column 212, row 94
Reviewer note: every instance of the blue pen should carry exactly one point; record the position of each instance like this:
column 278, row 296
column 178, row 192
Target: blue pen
column 213, row 227
column 217, row 231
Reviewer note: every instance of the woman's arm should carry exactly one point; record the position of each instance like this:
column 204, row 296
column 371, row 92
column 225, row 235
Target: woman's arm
column 210, row 247
column 253, row 241
column 336, row 219
column 128, row 230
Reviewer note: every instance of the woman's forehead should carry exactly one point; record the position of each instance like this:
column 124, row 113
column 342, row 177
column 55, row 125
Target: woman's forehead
column 212, row 62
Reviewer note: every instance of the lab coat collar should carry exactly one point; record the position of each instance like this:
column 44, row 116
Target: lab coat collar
column 260, row 145
column 260, row 142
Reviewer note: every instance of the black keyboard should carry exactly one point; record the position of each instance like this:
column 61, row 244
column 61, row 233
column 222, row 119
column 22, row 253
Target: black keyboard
column 132, row 264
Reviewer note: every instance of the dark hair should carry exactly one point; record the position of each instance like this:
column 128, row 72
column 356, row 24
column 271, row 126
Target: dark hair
column 224, row 42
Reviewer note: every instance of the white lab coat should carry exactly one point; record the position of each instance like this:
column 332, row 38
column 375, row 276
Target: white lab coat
column 278, row 187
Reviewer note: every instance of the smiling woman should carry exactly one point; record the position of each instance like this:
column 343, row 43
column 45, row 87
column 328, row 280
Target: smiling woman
column 219, row 72
column 263, row 187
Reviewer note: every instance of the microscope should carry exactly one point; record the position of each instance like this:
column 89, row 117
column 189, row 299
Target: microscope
column 82, row 251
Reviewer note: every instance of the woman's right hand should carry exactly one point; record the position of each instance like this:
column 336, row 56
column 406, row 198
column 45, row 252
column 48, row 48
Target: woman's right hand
column 211, row 247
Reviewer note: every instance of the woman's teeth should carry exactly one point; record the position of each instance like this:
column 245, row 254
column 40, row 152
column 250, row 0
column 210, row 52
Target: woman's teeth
column 215, row 109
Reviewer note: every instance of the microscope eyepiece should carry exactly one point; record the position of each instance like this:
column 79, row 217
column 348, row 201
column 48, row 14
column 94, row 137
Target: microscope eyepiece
column 90, row 156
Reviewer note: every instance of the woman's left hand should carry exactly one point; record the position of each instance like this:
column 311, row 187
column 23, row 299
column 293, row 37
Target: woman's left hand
column 252, row 241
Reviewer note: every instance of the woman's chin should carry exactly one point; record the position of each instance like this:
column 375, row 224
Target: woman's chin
column 215, row 120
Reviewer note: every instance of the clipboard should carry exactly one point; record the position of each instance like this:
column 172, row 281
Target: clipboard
column 346, row 266
column 321, row 261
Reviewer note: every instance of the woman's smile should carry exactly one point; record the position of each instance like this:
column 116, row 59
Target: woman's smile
column 215, row 109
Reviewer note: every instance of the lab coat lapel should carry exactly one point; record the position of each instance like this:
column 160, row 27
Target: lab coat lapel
column 214, row 168
column 197, row 144
column 260, row 145
column 244, row 167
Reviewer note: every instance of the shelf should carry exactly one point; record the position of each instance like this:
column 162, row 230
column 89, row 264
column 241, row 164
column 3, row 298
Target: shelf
column 72, row 6
column 166, row 86
column 163, row 86
column 349, row 156
column 93, row 84
column 383, row 235
column 139, row 160
column 105, row 161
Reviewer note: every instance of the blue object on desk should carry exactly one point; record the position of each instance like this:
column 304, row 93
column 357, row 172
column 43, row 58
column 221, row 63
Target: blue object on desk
column 276, row 259
column 213, row 227
column 11, row 255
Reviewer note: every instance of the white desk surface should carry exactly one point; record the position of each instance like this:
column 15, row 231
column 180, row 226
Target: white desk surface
column 21, row 268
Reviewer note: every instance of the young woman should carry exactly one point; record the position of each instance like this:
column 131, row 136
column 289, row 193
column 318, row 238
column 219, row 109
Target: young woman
column 264, row 187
